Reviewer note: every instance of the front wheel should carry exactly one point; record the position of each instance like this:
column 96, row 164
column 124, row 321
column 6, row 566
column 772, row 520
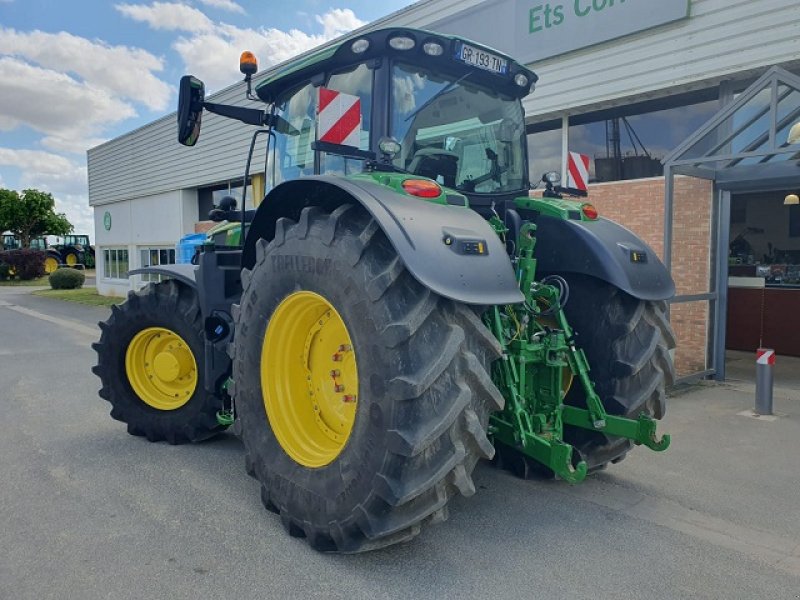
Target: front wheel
column 71, row 258
column 363, row 397
column 51, row 262
column 150, row 364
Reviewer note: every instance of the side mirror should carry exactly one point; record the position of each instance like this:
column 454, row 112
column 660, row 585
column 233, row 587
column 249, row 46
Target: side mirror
column 191, row 95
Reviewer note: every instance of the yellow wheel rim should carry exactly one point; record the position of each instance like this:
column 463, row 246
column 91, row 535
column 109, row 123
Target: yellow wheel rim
column 309, row 379
column 161, row 368
column 71, row 260
column 50, row 264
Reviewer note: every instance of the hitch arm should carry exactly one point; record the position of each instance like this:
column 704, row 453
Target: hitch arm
column 641, row 431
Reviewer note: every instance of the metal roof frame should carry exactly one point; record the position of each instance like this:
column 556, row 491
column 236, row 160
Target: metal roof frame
column 698, row 166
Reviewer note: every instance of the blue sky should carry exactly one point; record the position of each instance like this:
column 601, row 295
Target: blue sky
column 75, row 73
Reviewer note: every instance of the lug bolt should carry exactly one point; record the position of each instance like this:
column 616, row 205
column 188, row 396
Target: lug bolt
column 339, row 388
column 337, row 357
column 336, row 373
column 345, row 348
column 348, row 398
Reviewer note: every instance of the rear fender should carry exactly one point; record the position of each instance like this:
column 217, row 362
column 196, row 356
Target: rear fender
column 602, row 249
column 184, row 273
column 417, row 230
column 218, row 323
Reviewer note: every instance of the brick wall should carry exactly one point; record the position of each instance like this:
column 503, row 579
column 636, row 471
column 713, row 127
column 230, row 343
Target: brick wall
column 639, row 206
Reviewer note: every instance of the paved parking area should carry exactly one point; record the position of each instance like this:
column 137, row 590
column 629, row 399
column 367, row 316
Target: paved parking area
column 87, row 511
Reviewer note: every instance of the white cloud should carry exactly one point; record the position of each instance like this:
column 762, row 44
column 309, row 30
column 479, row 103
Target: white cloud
column 46, row 171
column 338, row 21
column 170, row 16
column 67, row 111
column 213, row 55
column 228, row 5
column 118, row 70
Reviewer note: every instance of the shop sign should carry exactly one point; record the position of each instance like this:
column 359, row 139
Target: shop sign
column 542, row 29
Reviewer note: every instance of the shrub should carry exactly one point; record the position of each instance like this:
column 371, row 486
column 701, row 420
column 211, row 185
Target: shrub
column 66, row 279
column 5, row 271
column 25, row 262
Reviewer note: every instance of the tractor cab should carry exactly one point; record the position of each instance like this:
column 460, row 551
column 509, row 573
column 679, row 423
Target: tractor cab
column 408, row 101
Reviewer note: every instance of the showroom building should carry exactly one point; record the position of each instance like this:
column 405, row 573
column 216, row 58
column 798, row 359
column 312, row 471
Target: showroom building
column 683, row 106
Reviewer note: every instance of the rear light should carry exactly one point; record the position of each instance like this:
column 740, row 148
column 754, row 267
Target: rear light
column 422, row 188
column 590, row 212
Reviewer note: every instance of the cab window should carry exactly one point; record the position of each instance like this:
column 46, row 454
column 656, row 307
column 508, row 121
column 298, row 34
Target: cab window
column 355, row 82
column 292, row 153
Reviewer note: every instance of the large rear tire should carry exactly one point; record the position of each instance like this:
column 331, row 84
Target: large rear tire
column 150, row 363
column 627, row 342
column 424, row 392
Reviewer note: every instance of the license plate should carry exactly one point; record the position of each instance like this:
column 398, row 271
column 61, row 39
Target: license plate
column 481, row 59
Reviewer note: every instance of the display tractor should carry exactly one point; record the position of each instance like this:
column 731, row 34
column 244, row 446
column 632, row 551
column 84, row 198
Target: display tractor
column 399, row 306
column 52, row 257
column 75, row 250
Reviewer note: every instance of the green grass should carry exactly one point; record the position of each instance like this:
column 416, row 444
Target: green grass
column 87, row 295
column 30, row 282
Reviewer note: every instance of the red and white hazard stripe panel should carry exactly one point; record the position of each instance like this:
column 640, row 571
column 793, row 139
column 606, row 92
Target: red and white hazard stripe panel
column 339, row 118
column 765, row 356
column 578, row 171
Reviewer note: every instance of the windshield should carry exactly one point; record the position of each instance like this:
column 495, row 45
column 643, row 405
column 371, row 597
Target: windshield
column 457, row 133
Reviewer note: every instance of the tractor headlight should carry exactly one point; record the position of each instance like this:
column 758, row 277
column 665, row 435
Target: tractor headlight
column 360, row 46
column 433, row 48
column 521, row 80
column 402, row 42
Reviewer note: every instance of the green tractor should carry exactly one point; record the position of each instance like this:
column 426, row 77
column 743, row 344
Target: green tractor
column 399, row 306
column 75, row 250
column 52, row 258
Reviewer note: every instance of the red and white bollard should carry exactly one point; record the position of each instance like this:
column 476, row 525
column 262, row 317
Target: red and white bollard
column 765, row 360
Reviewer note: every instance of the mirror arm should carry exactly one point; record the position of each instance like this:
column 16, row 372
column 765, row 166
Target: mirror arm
column 251, row 116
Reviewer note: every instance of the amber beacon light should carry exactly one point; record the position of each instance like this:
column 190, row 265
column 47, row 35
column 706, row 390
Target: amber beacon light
column 248, row 64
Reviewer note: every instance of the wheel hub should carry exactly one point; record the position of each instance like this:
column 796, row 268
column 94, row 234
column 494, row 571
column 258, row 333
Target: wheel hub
column 161, row 368
column 309, row 379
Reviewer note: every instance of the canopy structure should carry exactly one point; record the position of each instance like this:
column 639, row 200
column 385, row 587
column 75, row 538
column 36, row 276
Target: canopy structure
column 745, row 147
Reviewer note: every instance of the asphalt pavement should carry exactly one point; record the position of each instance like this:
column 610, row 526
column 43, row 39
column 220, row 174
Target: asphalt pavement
column 87, row 511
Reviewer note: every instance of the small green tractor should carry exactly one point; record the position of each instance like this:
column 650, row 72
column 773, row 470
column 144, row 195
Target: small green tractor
column 52, row 258
column 72, row 251
column 399, row 306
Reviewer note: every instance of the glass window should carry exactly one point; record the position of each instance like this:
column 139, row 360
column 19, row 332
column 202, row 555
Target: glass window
column 151, row 257
column 295, row 158
column 356, row 82
column 115, row 263
column 632, row 146
column 209, row 197
column 464, row 136
column 544, row 153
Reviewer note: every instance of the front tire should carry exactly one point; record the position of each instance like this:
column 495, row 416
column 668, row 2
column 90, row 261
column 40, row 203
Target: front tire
column 424, row 390
column 150, row 364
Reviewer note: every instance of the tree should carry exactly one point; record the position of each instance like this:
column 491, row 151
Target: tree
column 30, row 215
